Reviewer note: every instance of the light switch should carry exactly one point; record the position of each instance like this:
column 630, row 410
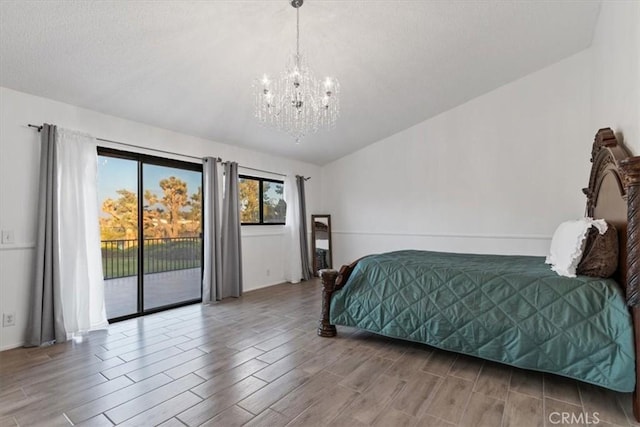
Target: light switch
column 8, row 237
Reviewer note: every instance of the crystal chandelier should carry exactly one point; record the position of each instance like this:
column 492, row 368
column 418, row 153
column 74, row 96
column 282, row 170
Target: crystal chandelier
column 297, row 103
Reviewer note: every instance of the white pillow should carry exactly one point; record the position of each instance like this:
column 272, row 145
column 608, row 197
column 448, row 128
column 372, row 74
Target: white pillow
column 568, row 243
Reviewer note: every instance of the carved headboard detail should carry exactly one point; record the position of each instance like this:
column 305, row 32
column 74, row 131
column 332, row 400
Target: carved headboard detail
column 614, row 194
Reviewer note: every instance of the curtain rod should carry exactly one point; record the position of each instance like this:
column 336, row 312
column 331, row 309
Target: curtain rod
column 218, row 159
column 39, row 128
column 258, row 170
column 307, row 178
column 261, row 170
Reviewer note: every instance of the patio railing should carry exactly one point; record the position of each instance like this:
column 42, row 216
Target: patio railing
column 120, row 257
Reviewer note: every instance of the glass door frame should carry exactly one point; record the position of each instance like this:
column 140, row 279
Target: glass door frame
column 142, row 159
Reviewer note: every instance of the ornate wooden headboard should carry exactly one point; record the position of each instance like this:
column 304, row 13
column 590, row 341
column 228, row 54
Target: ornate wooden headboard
column 614, row 194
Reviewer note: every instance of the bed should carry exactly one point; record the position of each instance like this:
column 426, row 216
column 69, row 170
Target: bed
column 513, row 309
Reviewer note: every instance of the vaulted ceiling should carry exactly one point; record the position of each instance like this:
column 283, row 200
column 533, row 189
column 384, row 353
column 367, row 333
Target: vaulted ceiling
column 189, row 66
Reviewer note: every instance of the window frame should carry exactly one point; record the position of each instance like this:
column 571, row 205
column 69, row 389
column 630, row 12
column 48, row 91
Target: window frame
column 261, row 180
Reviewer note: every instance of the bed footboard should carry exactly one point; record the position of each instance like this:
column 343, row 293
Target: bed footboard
column 325, row 328
column 331, row 282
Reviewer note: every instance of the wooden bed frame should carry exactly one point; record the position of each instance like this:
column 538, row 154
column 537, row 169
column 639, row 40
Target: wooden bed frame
column 613, row 194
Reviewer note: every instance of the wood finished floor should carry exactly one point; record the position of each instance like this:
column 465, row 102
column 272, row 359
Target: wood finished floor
column 257, row 361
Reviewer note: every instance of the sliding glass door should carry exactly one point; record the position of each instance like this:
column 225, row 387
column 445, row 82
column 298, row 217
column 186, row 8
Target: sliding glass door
column 172, row 230
column 118, row 210
column 151, row 228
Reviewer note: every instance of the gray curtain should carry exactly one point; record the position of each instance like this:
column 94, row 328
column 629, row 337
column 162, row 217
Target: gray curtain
column 212, row 275
column 230, row 239
column 46, row 323
column 304, row 243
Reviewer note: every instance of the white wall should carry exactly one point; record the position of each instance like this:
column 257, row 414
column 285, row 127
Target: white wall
column 494, row 175
column 19, row 163
column 616, row 71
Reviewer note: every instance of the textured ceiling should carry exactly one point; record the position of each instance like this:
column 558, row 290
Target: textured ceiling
column 188, row 66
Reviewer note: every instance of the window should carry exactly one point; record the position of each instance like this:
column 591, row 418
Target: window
column 261, row 201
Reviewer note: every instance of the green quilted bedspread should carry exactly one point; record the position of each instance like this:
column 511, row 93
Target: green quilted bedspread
column 510, row 309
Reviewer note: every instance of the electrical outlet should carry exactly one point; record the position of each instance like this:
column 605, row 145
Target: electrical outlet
column 8, row 319
column 8, row 237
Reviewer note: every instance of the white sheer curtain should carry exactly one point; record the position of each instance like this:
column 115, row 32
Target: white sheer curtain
column 81, row 279
column 293, row 259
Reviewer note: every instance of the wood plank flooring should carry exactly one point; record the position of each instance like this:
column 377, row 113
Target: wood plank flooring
column 257, row 361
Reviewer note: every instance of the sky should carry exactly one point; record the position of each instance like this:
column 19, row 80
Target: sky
column 115, row 174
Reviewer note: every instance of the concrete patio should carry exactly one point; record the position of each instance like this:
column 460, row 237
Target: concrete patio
column 160, row 289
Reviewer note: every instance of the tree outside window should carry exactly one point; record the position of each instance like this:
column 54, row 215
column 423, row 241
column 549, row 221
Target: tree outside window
column 261, row 201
